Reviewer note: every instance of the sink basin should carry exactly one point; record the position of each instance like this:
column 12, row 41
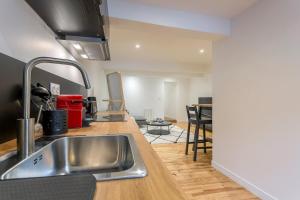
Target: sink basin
column 107, row 157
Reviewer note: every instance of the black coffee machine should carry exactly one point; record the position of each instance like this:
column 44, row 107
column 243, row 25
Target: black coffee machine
column 91, row 108
column 90, row 105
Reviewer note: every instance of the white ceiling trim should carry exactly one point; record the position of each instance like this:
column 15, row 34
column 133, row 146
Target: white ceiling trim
column 168, row 17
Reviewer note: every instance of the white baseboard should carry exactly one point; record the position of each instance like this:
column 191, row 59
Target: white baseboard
column 243, row 182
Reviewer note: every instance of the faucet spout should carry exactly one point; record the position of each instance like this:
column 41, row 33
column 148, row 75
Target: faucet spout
column 26, row 145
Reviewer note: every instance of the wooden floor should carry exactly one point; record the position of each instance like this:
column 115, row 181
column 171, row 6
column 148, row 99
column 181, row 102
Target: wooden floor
column 198, row 179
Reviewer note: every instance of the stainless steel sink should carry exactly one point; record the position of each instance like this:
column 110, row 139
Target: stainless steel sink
column 106, row 157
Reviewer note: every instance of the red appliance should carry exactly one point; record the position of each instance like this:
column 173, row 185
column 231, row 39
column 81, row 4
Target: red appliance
column 73, row 105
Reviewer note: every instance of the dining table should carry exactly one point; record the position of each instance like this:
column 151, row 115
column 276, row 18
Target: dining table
column 202, row 107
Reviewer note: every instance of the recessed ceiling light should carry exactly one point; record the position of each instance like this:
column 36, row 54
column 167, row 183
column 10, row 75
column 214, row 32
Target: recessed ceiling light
column 77, row 46
column 202, row 51
column 137, row 46
column 84, row 56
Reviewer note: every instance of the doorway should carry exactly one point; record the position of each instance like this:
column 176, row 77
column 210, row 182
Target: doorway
column 170, row 94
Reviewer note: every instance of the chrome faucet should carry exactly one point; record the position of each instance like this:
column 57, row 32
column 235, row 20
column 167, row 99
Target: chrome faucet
column 25, row 138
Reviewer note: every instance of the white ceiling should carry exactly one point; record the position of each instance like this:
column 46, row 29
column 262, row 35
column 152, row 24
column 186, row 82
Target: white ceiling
column 167, row 48
column 219, row 8
column 162, row 49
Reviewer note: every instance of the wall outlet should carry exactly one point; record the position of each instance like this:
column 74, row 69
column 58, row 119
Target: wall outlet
column 55, row 89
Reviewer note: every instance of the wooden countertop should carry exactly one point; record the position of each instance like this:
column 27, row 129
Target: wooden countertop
column 158, row 184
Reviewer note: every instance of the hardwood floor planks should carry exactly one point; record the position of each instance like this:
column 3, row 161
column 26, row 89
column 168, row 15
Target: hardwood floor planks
column 198, row 179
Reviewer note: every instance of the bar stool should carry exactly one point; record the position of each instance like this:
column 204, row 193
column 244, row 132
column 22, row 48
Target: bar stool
column 194, row 119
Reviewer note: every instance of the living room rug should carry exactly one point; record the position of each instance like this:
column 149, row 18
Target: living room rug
column 177, row 135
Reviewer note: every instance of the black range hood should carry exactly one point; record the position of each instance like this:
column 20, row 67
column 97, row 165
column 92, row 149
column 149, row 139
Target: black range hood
column 81, row 26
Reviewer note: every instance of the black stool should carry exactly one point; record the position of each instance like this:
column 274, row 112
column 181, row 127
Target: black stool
column 194, row 119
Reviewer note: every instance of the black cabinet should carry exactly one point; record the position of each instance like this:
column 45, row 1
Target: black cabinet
column 80, row 22
column 88, row 18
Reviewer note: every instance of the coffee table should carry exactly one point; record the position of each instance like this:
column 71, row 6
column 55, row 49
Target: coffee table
column 159, row 127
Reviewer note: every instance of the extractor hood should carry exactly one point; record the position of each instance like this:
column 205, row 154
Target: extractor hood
column 81, row 26
column 86, row 47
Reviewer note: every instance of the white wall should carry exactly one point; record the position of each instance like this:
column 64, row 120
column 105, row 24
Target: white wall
column 256, row 80
column 200, row 87
column 24, row 36
column 142, row 93
column 146, row 91
column 98, row 81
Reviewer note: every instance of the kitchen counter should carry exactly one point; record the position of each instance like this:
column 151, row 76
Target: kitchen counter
column 158, row 184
